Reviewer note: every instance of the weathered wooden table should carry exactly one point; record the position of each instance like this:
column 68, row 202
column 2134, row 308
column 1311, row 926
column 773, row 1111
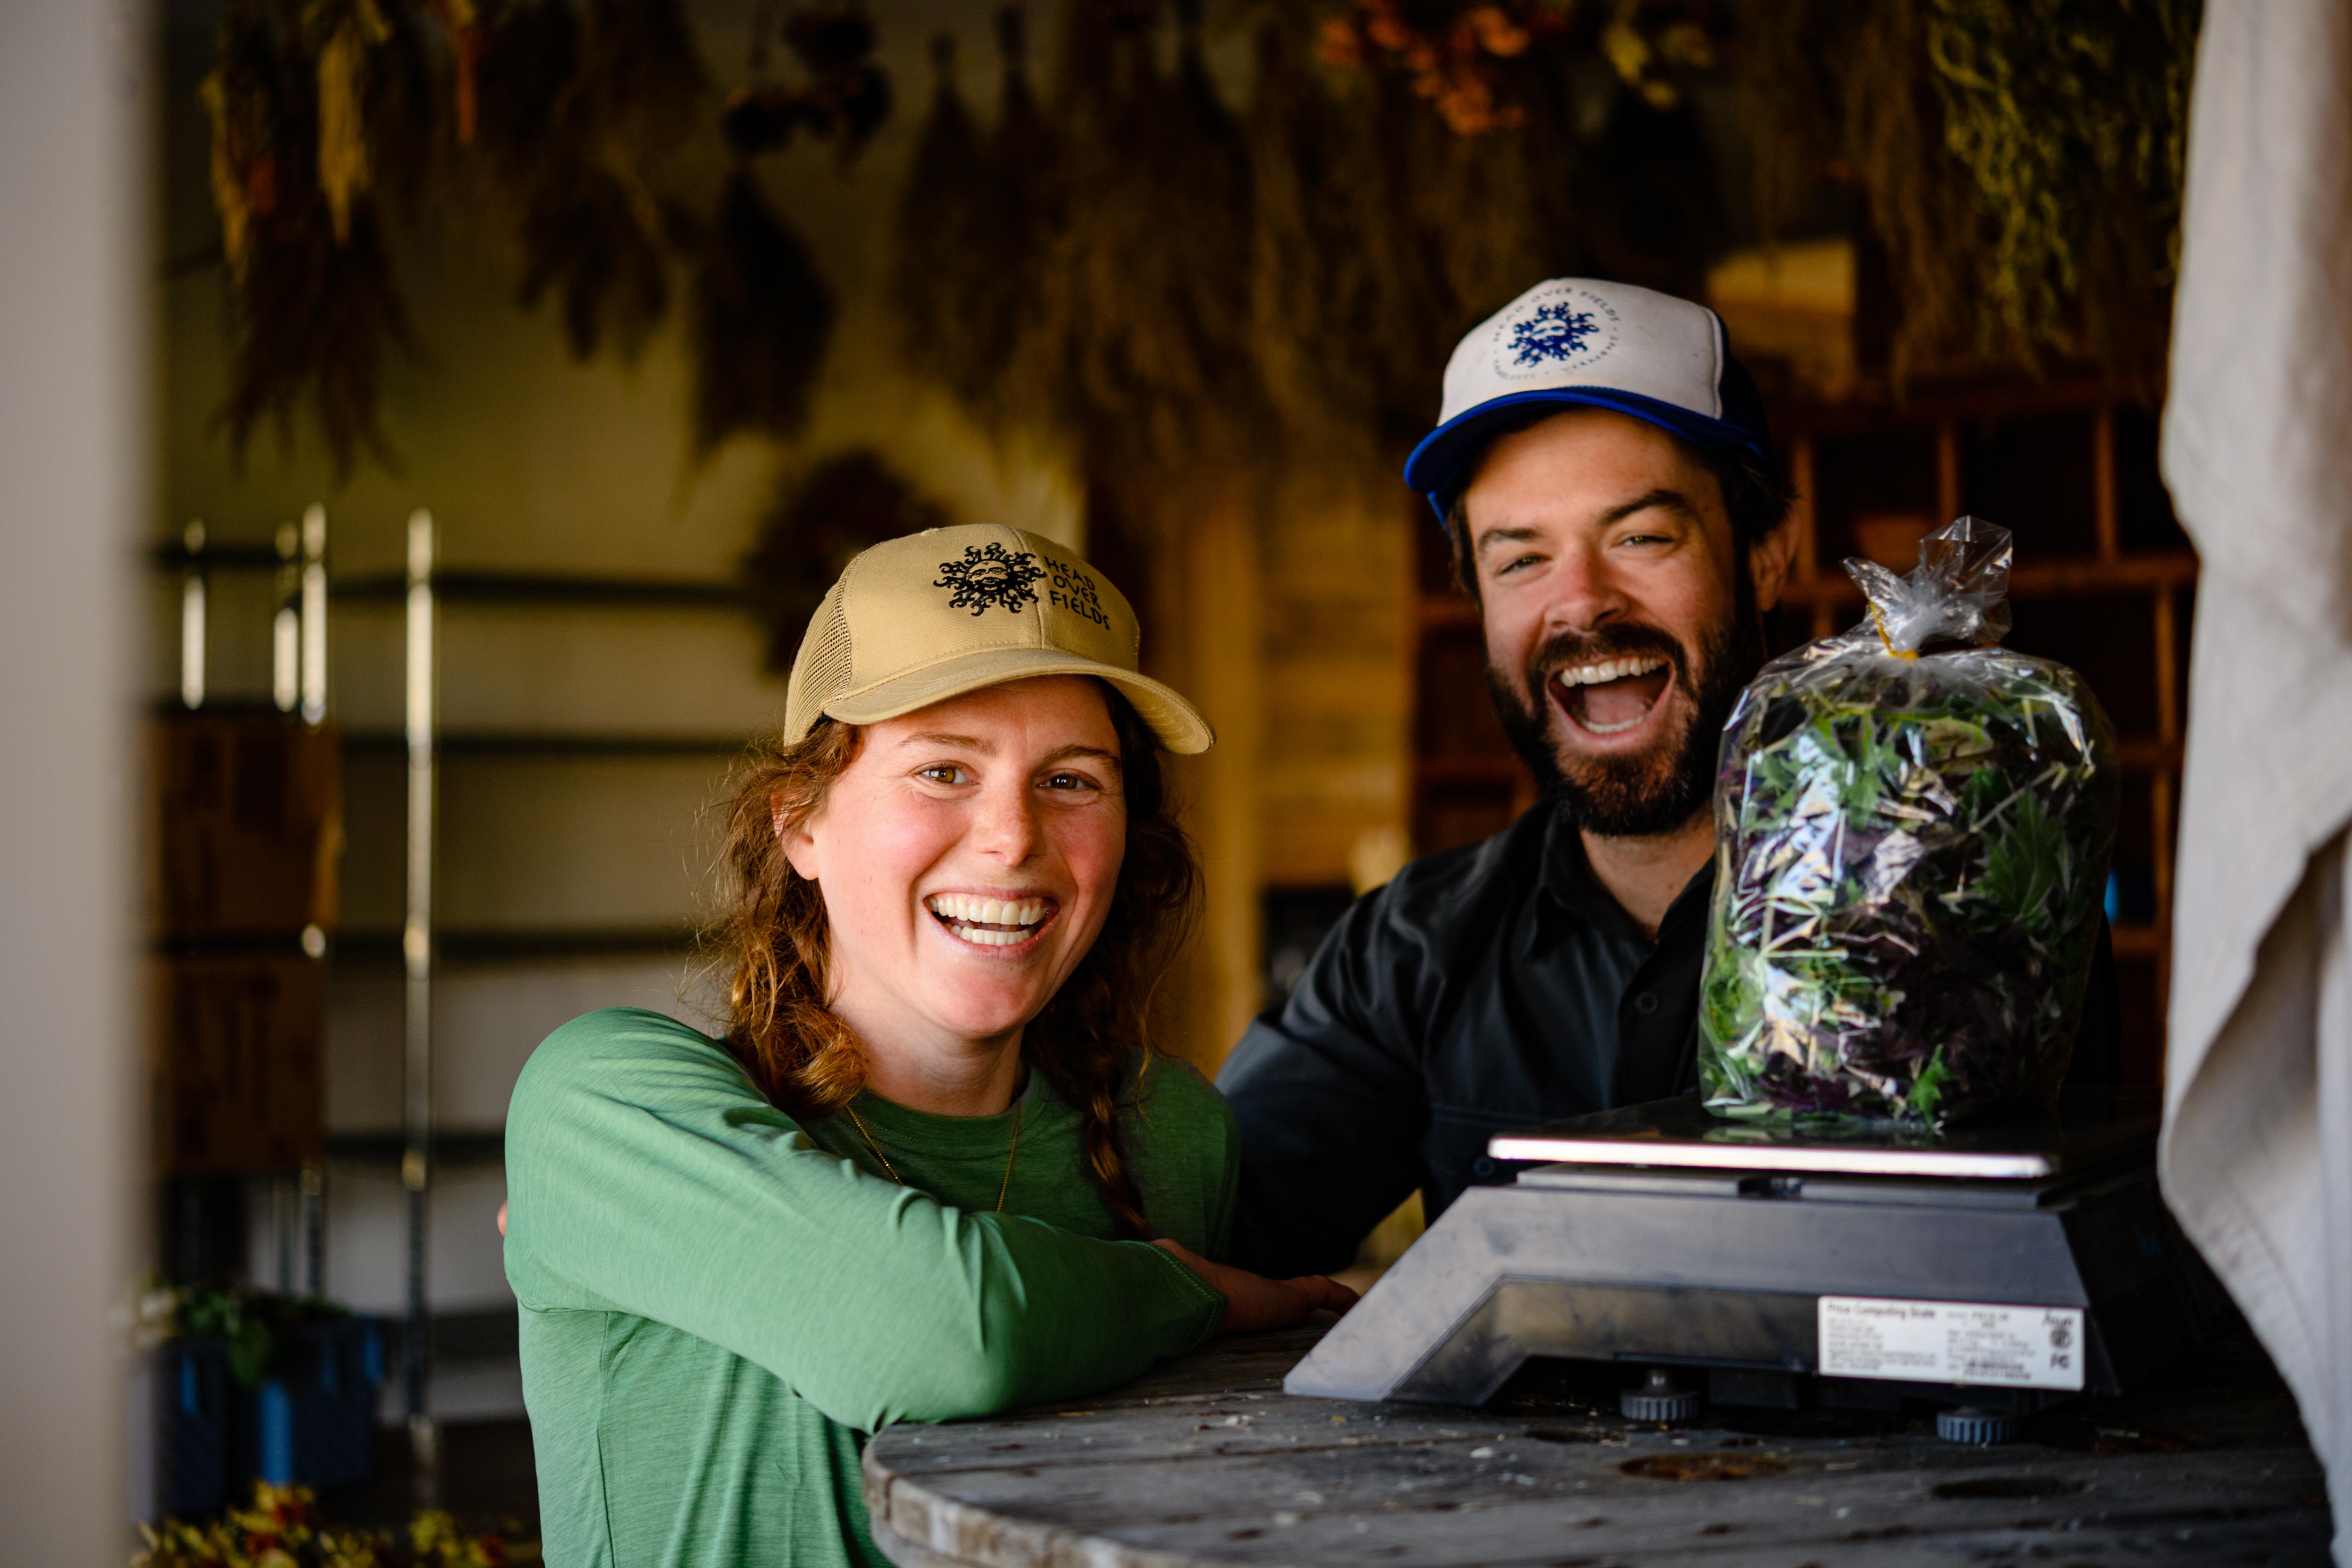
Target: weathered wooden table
column 1207, row 1461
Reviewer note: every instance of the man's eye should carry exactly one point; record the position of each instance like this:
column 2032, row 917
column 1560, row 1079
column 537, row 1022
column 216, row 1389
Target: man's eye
column 1508, row 567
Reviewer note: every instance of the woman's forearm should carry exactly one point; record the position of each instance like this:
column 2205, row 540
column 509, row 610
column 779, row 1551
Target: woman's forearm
column 647, row 1176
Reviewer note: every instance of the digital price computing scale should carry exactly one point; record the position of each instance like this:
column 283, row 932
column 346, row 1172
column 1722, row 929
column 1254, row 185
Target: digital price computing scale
column 1989, row 1269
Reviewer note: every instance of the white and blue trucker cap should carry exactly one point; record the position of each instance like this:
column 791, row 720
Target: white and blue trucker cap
column 1604, row 345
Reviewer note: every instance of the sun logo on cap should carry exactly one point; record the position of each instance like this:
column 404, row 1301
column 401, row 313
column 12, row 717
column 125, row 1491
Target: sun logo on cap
column 990, row 574
column 1557, row 330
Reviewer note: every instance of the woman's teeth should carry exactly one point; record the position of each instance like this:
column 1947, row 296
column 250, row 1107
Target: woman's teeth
column 989, row 922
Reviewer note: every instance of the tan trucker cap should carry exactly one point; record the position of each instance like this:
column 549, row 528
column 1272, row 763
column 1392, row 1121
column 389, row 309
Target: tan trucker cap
column 917, row 620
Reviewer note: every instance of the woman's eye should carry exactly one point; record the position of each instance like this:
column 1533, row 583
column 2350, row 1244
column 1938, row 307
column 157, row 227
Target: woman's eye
column 1070, row 782
column 942, row 773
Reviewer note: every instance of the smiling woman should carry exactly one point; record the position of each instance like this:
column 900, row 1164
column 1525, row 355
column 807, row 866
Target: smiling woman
column 930, row 1171
column 936, row 882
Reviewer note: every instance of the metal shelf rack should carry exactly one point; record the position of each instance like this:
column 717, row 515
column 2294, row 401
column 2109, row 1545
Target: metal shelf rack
column 419, row 947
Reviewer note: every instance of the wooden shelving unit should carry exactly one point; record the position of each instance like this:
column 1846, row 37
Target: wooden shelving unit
column 2103, row 581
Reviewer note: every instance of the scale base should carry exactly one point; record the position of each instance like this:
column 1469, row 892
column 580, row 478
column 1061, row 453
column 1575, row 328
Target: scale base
column 1739, row 1272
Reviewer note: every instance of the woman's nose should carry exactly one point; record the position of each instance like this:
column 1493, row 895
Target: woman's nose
column 1005, row 827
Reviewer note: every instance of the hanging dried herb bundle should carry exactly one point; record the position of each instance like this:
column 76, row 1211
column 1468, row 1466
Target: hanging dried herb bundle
column 461, row 21
column 1198, row 162
column 973, row 240
column 1650, row 209
column 1456, row 153
column 313, row 304
column 1843, row 85
column 1786, row 93
column 1099, row 58
column 844, row 100
column 2021, row 159
column 2072, row 118
column 1147, row 312
column 1317, row 302
column 762, row 318
column 1170, row 289
column 939, row 247
column 762, row 313
column 1352, row 306
column 813, row 528
column 1570, row 142
column 346, row 38
column 1917, row 198
column 1023, row 211
column 405, row 79
column 587, row 115
column 592, row 116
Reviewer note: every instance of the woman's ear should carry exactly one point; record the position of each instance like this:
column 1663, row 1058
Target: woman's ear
column 798, row 843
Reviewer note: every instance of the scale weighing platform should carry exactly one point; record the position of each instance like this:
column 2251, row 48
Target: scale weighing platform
column 1992, row 1269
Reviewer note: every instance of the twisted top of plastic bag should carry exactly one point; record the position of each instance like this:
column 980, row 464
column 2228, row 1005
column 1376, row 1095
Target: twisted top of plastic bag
column 1958, row 592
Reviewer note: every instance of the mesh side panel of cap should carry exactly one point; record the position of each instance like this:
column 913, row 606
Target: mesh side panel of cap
column 820, row 673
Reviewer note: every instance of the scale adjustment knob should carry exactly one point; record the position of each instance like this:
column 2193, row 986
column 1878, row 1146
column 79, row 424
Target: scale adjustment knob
column 1660, row 1399
column 1980, row 1429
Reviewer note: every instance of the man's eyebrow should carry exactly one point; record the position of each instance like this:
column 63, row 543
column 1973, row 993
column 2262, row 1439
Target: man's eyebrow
column 1670, row 499
column 1506, row 536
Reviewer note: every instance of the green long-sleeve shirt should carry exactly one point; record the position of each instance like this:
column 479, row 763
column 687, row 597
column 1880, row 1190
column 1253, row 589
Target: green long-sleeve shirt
column 716, row 1301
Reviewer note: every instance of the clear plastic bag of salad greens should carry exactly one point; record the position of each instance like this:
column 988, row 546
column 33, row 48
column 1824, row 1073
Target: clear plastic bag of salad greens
column 1913, row 827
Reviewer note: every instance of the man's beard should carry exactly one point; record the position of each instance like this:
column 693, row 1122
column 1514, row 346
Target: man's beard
column 1655, row 791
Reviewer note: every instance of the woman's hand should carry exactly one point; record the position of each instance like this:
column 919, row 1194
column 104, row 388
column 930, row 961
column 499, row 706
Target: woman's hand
column 1254, row 1302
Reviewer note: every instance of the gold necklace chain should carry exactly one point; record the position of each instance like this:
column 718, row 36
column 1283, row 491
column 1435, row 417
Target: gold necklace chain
column 1010, row 1155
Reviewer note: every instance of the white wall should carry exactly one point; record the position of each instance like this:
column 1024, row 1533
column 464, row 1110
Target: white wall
column 72, row 258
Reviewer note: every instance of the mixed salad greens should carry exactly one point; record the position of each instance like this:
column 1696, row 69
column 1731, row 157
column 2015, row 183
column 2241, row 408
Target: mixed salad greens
column 1912, row 848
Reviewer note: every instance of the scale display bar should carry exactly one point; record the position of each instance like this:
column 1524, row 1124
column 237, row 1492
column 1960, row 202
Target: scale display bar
column 2081, row 1129
column 1813, row 1160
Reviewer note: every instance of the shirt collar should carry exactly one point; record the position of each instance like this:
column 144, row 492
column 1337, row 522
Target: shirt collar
column 1566, row 878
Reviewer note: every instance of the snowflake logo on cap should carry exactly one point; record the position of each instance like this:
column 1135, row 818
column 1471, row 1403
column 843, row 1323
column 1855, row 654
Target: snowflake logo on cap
column 1557, row 330
column 1552, row 329
column 990, row 574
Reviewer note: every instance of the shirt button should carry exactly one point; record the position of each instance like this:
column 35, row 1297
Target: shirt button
column 1645, row 1003
column 1485, row 1167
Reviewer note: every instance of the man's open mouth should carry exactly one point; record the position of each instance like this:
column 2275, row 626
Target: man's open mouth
column 1612, row 696
column 990, row 922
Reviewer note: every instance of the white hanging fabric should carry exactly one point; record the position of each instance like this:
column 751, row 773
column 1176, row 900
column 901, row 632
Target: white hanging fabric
column 2256, row 1156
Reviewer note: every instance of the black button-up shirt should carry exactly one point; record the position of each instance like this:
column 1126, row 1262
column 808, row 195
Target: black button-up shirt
column 1486, row 988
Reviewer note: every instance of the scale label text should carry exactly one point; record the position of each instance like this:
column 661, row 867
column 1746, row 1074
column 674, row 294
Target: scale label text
column 1951, row 1341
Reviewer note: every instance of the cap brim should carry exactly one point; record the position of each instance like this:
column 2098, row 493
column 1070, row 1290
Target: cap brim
column 1438, row 467
column 1176, row 723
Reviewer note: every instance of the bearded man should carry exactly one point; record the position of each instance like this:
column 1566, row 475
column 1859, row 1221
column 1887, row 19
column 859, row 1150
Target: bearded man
column 1603, row 470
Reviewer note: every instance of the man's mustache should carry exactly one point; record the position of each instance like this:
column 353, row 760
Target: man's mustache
column 1565, row 649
